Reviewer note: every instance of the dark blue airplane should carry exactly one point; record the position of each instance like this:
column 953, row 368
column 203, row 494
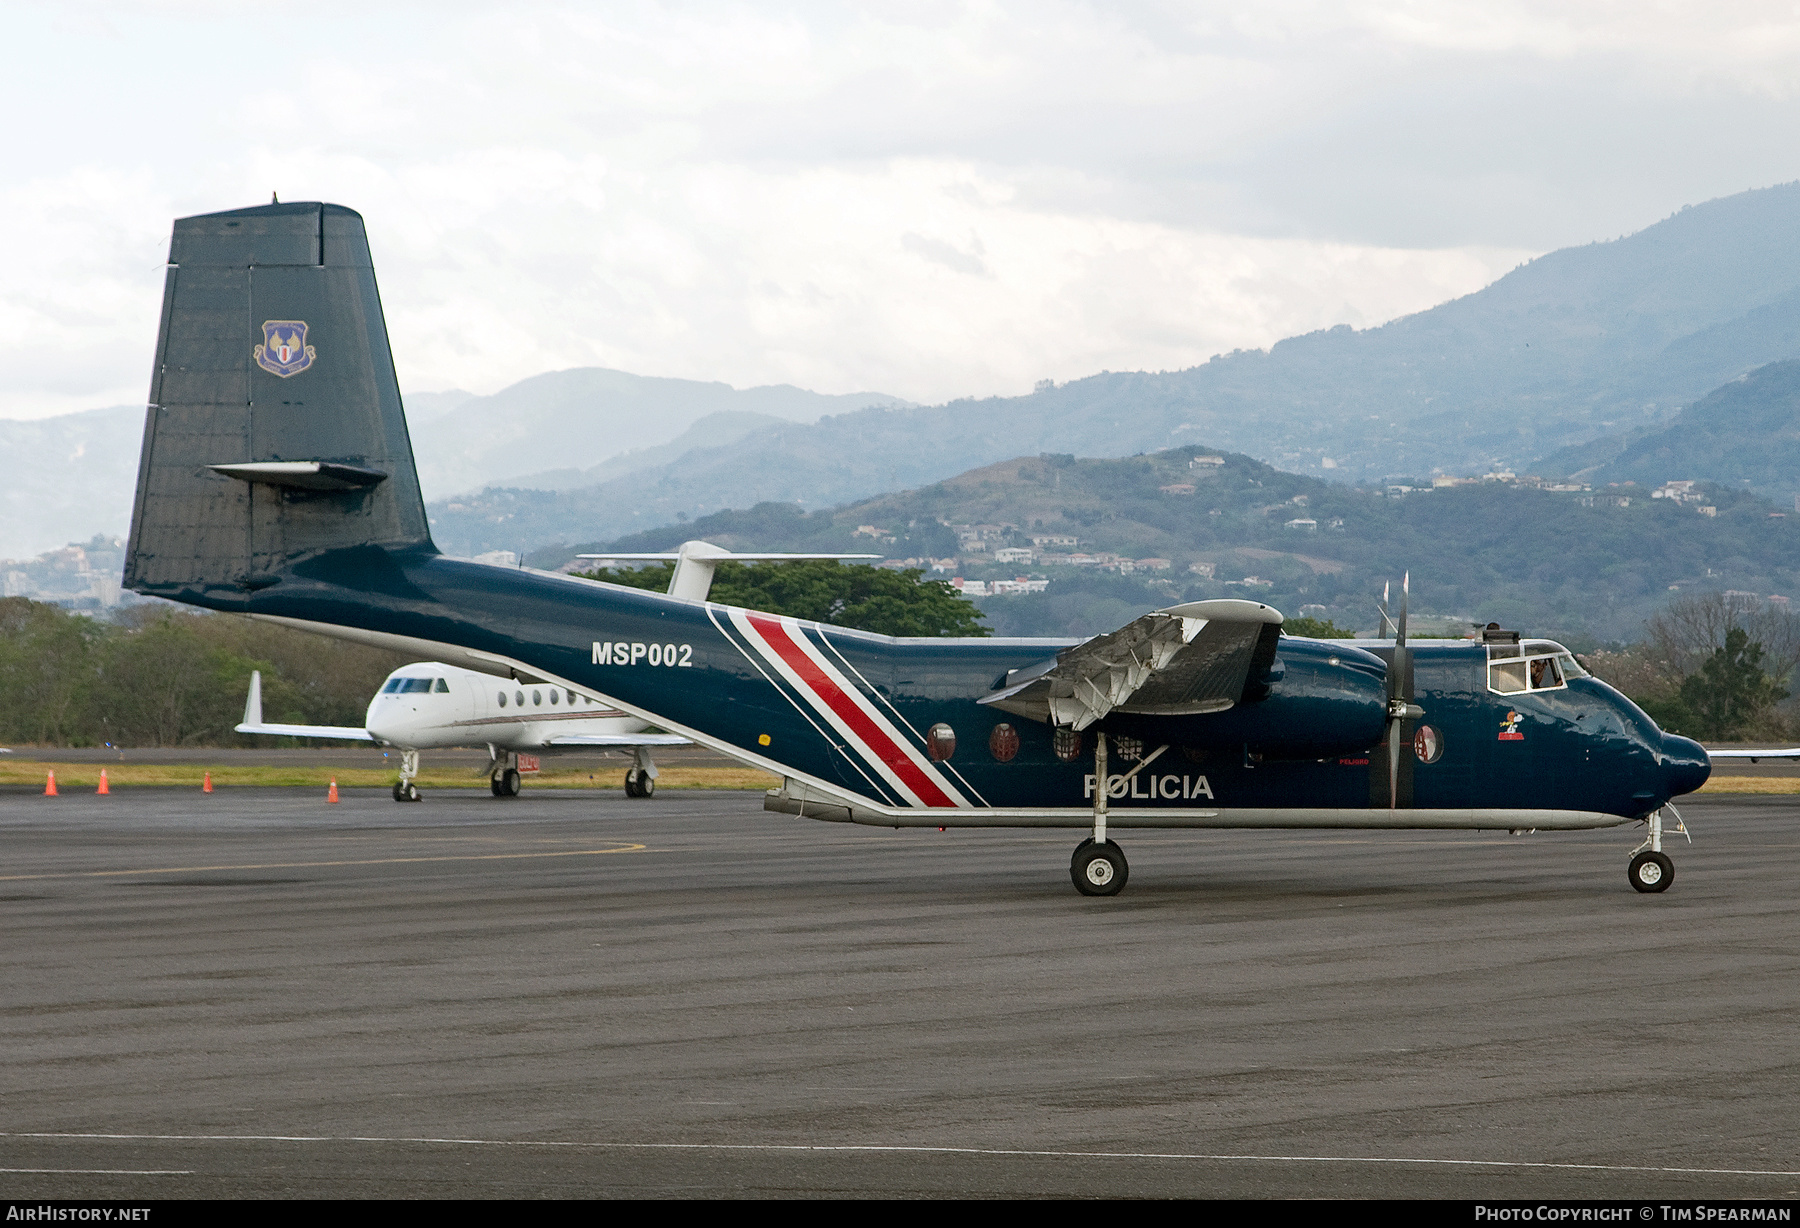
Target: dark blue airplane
column 277, row 481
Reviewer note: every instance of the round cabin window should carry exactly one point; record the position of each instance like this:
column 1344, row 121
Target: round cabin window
column 1003, row 743
column 1067, row 744
column 940, row 741
column 1428, row 744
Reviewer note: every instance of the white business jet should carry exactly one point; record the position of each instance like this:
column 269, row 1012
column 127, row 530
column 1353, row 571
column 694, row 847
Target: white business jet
column 431, row 706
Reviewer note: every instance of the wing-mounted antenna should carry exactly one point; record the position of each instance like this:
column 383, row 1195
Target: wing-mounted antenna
column 696, row 561
column 1400, row 706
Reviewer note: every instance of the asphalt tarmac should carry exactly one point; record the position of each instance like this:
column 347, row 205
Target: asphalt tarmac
column 255, row 994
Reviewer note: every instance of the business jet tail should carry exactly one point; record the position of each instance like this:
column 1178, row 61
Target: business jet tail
column 253, row 721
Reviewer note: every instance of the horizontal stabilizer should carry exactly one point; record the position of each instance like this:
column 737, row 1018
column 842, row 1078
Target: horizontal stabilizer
column 1182, row 661
column 695, row 562
column 303, row 475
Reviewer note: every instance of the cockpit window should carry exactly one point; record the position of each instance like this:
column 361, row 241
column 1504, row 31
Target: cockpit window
column 414, row 686
column 1532, row 665
column 393, row 685
column 442, row 688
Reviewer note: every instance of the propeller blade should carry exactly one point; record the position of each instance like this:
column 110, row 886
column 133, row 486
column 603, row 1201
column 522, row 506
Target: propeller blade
column 1405, row 593
column 1400, row 705
column 1393, row 741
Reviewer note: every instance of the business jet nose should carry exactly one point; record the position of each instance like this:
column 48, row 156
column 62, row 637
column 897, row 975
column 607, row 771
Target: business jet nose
column 1685, row 764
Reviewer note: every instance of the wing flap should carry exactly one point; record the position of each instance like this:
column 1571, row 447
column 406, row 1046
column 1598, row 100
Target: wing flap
column 622, row 740
column 1185, row 660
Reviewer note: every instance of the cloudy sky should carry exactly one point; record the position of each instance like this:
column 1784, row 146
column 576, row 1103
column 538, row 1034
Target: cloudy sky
column 927, row 199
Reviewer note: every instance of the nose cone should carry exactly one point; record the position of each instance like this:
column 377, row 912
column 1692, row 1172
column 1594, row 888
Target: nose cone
column 1685, row 764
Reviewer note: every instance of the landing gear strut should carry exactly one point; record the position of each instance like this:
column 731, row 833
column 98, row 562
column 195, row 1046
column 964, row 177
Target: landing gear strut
column 640, row 778
column 1651, row 869
column 503, row 774
column 404, row 788
column 1098, row 866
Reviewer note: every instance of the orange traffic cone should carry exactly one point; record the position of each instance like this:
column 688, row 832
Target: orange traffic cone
column 332, row 795
column 103, row 790
column 206, row 785
column 50, row 786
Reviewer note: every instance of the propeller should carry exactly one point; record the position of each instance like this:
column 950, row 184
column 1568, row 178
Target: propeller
column 1399, row 707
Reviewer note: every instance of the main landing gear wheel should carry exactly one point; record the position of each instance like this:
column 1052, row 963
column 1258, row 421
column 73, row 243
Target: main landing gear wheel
column 639, row 783
column 1099, row 869
column 407, row 791
column 1651, row 872
column 505, row 784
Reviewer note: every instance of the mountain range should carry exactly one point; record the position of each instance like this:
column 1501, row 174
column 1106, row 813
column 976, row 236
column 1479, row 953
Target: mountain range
column 1609, row 339
column 1585, row 358
column 73, row 476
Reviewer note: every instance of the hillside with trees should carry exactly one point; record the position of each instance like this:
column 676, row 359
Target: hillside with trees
column 1590, row 566
column 1745, row 435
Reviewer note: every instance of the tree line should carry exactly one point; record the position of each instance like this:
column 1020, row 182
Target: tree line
column 157, row 676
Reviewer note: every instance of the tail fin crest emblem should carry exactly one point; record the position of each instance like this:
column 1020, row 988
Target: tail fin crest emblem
column 284, row 351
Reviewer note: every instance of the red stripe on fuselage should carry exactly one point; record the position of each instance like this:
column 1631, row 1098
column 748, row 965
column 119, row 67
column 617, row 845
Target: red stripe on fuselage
column 775, row 633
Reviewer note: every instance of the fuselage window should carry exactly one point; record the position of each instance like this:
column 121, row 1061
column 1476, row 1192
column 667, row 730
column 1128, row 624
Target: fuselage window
column 571, row 697
column 537, row 697
column 555, row 698
column 502, row 697
column 442, row 688
column 519, row 698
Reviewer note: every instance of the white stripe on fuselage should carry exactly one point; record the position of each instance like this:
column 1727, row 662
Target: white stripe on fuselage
column 820, row 704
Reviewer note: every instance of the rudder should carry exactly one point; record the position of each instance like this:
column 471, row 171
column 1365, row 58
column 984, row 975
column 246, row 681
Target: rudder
column 275, row 430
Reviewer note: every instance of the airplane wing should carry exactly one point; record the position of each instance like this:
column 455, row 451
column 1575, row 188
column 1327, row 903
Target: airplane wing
column 254, row 723
column 619, row 739
column 343, row 732
column 1790, row 752
column 1180, row 661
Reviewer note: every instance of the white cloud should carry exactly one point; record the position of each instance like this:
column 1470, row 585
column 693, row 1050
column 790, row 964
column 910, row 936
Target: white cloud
column 930, row 200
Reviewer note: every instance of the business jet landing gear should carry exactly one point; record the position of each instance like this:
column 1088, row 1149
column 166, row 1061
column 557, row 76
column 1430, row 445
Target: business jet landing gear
column 404, row 788
column 1098, row 866
column 640, row 778
column 1650, row 869
column 503, row 772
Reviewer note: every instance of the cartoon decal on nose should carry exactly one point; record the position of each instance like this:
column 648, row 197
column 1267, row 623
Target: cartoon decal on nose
column 1509, row 728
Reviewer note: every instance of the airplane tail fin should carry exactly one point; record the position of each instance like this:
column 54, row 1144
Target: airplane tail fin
column 275, row 431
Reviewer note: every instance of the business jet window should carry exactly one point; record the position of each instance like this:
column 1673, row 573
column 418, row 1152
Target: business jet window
column 519, row 698
column 537, row 697
column 501, row 696
column 442, row 688
column 555, row 698
column 571, row 697
column 1533, row 665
